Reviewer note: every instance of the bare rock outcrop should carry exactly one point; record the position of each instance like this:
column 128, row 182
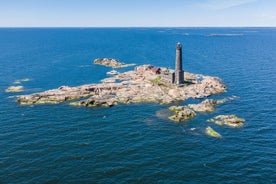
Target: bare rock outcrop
column 139, row 85
column 228, row 120
column 111, row 63
column 207, row 105
column 181, row 113
column 14, row 89
column 211, row 132
column 188, row 111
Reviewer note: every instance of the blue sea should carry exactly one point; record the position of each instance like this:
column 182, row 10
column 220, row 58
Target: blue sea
column 136, row 143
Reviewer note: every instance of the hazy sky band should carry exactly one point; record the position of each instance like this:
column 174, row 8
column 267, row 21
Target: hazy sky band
column 142, row 13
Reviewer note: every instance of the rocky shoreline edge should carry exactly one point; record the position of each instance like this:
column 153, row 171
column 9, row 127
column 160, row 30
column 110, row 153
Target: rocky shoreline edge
column 139, row 85
column 143, row 84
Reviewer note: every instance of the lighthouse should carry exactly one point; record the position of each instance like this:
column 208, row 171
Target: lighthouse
column 179, row 73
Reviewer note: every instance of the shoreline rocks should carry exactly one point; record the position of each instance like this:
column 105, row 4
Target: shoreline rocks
column 181, row 113
column 19, row 81
column 130, row 87
column 207, row 105
column 211, row 132
column 17, row 86
column 228, row 120
column 14, row 89
column 109, row 62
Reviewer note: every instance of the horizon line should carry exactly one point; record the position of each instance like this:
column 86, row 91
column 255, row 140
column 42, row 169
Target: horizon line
column 136, row 27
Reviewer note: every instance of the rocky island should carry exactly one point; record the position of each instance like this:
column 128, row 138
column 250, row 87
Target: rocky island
column 142, row 84
column 146, row 83
column 110, row 62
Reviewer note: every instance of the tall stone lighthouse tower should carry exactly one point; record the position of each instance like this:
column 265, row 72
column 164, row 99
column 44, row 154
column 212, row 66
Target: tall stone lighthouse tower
column 179, row 73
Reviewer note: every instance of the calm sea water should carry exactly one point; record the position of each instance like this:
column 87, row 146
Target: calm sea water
column 136, row 143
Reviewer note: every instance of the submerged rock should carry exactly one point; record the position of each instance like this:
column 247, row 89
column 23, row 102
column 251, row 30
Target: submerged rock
column 228, row 120
column 25, row 80
column 21, row 80
column 14, row 89
column 163, row 114
column 181, row 113
column 221, row 101
column 211, row 132
column 17, row 82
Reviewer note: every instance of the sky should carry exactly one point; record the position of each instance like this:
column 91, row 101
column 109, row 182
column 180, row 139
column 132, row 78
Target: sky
column 137, row 13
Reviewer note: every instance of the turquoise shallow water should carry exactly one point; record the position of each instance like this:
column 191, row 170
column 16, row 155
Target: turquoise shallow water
column 136, row 143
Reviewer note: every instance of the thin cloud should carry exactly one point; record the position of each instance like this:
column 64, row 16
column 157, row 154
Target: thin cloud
column 266, row 17
column 222, row 4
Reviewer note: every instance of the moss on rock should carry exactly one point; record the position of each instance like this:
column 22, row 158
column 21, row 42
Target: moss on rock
column 228, row 120
column 181, row 113
column 211, row 132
